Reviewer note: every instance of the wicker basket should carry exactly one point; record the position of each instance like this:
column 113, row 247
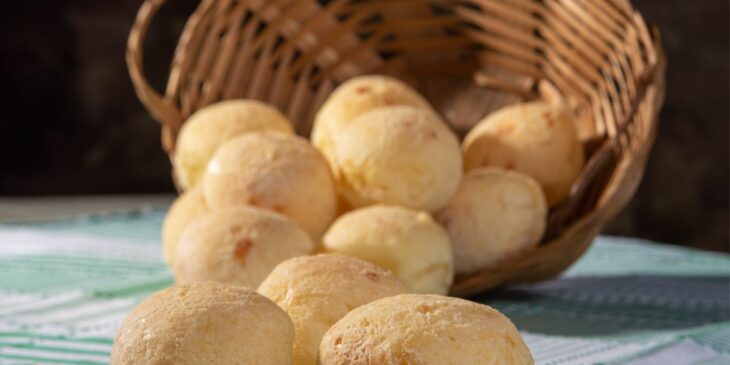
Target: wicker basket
column 468, row 57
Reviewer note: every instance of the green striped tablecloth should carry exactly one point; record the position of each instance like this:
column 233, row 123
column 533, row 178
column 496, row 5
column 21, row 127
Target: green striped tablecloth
column 66, row 285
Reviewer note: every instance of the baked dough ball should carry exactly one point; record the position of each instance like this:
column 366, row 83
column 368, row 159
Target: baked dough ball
column 407, row 242
column 398, row 155
column 276, row 171
column 210, row 127
column 424, row 329
column 238, row 245
column 536, row 139
column 188, row 206
column 357, row 96
column 205, row 323
column 318, row 290
column 494, row 215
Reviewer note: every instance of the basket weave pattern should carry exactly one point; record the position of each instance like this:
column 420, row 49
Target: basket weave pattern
column 467, row 57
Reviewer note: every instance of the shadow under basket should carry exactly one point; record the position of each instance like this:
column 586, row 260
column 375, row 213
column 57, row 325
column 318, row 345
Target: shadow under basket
column 468, row 58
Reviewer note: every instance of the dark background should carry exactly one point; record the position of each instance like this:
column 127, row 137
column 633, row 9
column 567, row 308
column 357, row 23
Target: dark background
column 71, row 124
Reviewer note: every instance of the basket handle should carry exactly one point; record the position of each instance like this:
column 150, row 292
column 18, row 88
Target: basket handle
column 161, row 108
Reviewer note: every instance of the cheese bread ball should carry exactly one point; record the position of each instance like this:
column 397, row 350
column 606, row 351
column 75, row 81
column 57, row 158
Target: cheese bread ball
column 237, row 245
column 398, row 155
column 407, row 242
column 318, row 290
column 357, row 96
column 495, row 215
column 276, row 171
column 205, row 323
column 208, row 128
column 536, row 139
column 424, row 329
column 188, row 206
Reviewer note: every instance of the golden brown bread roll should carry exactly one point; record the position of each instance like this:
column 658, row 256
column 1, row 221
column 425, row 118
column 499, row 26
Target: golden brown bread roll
column 188, row 206
column 357, row 96
column 494, row 215
column 423, row 329
column 318, row 290
column 275, row 171
column 407, row 242
column 536, row 139
column 205, row 324
column 208, row 128
column 237, row 245
column 397, row 155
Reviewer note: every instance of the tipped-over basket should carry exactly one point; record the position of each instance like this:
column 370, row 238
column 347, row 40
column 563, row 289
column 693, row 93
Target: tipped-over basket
column 468, row 57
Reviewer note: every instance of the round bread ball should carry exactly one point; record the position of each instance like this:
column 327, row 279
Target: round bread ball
column 357, row 96
column 534, row 138
column 237, row 245
column 276, row 171
column 407, row 242
column 423, row 329
column 208, row 128
column 188, row 206
column 398, row 155
column 494, row 215
column 316, row 291
column 205, row 323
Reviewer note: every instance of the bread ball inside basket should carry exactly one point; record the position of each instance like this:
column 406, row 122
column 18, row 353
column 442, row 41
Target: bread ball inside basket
column 468, row 58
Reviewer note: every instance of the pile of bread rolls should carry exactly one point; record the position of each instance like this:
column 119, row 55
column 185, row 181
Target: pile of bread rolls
column 342, row 251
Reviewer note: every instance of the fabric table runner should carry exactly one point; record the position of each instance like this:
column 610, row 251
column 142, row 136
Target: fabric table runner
column 66, row 285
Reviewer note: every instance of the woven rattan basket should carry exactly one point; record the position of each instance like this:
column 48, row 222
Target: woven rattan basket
column 468, row 57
